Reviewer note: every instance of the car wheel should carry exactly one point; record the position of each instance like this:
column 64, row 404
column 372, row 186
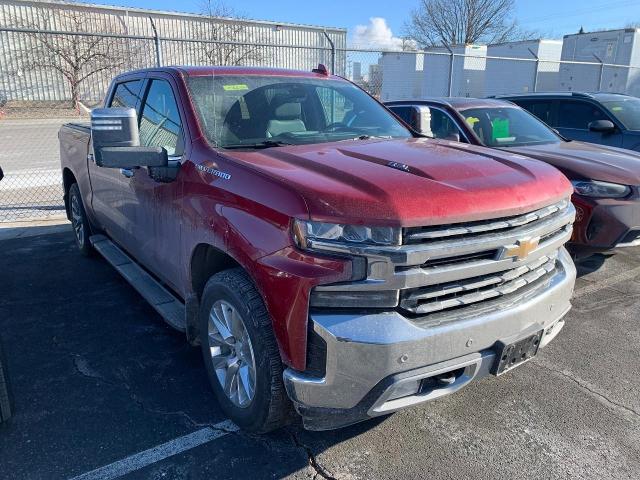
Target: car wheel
column 79, row 221
column 5, row 401
column 240, row 353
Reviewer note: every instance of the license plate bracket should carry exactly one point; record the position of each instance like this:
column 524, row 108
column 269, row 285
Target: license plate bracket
column 512, row 355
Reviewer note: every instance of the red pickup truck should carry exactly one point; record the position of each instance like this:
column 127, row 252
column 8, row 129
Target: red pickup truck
column 327, row 259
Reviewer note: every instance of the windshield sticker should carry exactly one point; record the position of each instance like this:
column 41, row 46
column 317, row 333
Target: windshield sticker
column 472, row 121
column 499, row 129
column 616, row 109
column 213, row 171
column 235, row 88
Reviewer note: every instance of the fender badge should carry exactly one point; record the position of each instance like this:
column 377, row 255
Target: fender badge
column 213, row 171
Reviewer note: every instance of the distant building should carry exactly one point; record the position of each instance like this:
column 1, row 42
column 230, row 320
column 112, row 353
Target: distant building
column 612, row 47
column 356, row 76
column 522, row 76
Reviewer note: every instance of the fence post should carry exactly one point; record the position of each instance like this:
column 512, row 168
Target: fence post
column 451, row 57
column 535, row 75
column 156, row 40
column 333, row 52
column 601, row 71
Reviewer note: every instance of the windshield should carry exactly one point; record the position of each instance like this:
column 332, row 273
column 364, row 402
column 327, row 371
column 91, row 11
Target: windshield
column 627, row 111
column 256, row 111
column 508, row 127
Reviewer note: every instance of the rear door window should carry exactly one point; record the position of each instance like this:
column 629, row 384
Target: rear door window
column 540, row 108
column 578, row 115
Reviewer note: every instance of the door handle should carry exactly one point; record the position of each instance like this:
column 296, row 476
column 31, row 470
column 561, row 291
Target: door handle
column 127, row 172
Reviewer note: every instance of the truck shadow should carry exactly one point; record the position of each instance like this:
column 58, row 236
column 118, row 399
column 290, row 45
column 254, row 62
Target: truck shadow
column 591, row 264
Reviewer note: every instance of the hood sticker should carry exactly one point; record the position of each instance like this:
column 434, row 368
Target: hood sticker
column 213, row 171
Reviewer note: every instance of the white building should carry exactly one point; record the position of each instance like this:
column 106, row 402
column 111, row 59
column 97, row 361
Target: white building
column 402, row 75
column 184, row 42
column 468, row 72
column 415, row 75
column 613, row 47
column 510, row 75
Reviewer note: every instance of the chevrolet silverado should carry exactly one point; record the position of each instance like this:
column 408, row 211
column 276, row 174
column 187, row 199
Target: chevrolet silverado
column 327, row 259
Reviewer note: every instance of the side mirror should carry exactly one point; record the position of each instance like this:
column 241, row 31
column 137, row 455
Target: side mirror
column 417, row 117
column 116, row 140
column 602, row 126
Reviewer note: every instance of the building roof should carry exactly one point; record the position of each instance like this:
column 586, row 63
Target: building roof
column 171, row 13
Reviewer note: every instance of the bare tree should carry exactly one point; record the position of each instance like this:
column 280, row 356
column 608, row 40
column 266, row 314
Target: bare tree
column 77, row 57
column 224, row 24
column 455, row 22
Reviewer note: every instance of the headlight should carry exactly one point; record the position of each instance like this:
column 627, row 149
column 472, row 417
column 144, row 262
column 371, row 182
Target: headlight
column 593, row 188
column 304, row 231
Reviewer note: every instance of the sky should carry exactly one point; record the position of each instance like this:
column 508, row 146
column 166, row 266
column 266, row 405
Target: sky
column 380, row 23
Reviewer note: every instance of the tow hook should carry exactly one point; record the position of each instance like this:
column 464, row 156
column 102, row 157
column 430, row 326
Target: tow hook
column 446, row 379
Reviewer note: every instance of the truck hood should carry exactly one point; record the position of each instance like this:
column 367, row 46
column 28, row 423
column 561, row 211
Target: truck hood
column 408, row 182
column 580, row 160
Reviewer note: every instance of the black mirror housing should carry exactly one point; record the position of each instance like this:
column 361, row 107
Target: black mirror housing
column 132, row 157
column 603, row 126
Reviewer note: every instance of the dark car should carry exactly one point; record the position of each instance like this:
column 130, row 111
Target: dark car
column 605, row 118
column 605, row 179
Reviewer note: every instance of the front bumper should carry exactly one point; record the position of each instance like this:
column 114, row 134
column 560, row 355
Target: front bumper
column 605, row 223
column 370, row 357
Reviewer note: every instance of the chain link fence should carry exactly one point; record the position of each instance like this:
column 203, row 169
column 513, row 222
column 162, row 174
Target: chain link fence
column 48, row 78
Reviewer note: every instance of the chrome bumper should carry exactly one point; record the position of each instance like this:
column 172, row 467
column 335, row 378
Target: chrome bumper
column 369, row 355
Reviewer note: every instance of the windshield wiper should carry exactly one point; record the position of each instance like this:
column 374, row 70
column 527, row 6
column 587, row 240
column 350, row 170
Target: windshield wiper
column 264, row 144
column 370, row 137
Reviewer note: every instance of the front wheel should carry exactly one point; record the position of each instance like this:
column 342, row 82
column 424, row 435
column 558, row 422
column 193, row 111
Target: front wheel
column 240, row 353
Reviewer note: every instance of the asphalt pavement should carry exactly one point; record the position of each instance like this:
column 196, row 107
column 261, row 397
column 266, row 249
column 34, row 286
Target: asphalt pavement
column 103, row 389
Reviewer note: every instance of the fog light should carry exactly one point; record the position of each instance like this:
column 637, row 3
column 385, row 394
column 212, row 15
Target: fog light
column 404, row 389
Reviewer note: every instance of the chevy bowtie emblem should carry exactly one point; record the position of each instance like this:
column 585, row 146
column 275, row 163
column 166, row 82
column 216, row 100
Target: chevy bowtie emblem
column 521, row 249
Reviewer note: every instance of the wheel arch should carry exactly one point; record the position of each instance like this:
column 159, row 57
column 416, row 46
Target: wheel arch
column 206, row 260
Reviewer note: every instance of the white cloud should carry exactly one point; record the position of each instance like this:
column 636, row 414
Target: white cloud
column 376, row 35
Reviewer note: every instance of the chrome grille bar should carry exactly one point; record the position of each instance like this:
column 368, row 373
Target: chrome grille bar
column 476, row 290
column 421, row 234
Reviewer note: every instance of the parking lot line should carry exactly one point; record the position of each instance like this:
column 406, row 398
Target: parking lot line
column 160, row 452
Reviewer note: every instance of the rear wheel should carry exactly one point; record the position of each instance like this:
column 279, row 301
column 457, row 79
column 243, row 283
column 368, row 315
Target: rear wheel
column 79, row 221
column 240, row 353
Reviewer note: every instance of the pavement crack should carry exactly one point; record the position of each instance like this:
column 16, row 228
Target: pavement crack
column 321, row 471
column 586, row 386
column 189, row 420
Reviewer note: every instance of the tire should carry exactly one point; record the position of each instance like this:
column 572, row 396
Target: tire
column 232, row 307
column 79, row 221
column 5, row 396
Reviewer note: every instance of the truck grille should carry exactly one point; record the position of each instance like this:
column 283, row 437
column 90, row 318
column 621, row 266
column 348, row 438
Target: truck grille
column 484, row 287
column 460, row 266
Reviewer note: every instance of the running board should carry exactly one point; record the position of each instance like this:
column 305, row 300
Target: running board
column 167, row 305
